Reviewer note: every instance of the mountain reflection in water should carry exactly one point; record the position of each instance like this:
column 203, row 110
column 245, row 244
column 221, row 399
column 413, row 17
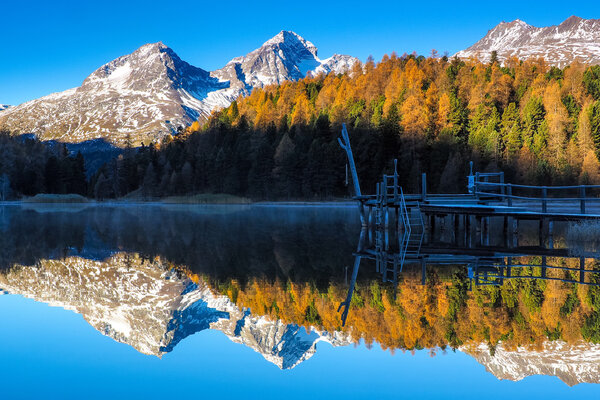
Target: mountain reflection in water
column 273, row 279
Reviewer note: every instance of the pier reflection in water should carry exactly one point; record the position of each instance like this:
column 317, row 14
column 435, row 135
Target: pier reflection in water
column 485, row 263
column 280, row 280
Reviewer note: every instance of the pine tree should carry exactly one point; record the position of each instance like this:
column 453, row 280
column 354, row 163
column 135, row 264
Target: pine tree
column 4, row 187
column 149, row 183
column 52, row 175
column 533, row 115
column 594, row 118
column 187, row 175
column 510, row 132
column 102, row 187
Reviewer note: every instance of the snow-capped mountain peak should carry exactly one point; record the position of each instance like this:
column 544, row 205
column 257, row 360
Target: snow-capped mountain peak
column 152, row 307
column 151, row 92
column 146, row 94
column 286, row 56
column 574, row 39
column 571, row 363
column 291, row 39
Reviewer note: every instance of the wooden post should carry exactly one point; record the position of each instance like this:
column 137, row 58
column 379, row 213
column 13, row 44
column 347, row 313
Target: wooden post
column 543, row 272
column 477, row 185
column 386, row 220
column 363, row 218
column 515, row 232
column 544, row 201
column 395, row 180
column 582, row 270
column 551, row 234
column 582, row 198
column 456, row 228
column 509, row 195
column 487, row 230
column 386, row 236
column 423, row 186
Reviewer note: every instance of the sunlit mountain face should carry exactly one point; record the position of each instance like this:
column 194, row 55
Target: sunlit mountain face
column 277, row 280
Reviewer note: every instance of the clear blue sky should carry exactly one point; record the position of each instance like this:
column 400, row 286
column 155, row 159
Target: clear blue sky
column 50, row 46
column 49, row 352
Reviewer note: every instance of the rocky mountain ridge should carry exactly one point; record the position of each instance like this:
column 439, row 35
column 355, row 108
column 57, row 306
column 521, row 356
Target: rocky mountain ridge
column 151, row 93
column 151, row 307
column 574, row 39
column 572, row 364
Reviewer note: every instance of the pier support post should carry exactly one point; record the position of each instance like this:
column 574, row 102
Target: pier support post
column 551, row 234
column 363, row 215
column 544, row 264
column 469, row 236
column 456, row 228
column 486, row 231
column 386, row 218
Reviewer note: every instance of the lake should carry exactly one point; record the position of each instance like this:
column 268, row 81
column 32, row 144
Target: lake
column 257, row 301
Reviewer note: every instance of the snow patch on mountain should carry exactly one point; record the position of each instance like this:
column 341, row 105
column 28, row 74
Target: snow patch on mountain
column 572, row 364
column 287, row 56
column 574, row 39
column 150, row 93
column 152, row 308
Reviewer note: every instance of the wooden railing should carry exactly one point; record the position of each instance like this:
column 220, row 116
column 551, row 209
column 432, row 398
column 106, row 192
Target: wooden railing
column 541, row 194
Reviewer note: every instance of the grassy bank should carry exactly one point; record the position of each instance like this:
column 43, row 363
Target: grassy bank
column 206, row 199
column 56, row 198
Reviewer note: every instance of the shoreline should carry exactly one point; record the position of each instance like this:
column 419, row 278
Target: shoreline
column 93, row 203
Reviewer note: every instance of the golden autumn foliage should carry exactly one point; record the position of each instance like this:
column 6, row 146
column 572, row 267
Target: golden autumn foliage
column 495, row 110
column 443, row 312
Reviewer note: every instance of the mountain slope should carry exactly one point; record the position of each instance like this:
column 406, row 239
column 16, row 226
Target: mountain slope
column 151, row 307
column 287, row 56
column 147, row 93
column 151, row 92
column 572, row 364
column 574, row 39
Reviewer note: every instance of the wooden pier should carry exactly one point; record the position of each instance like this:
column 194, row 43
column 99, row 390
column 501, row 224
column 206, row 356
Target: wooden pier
column 411, row 219
column 488, row 196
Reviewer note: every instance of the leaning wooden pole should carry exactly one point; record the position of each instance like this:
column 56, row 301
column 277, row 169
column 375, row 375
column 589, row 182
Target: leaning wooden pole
column 345, row 144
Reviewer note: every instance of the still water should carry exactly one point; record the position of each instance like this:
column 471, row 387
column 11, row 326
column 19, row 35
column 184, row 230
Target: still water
column 285, row 302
